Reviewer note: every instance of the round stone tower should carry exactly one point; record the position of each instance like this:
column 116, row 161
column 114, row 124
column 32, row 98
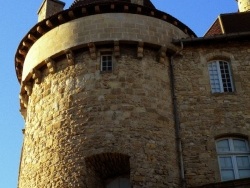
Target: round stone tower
column 96, row 96
column 244, row 5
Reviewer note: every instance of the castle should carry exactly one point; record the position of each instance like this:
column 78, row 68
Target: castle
column 117, row 94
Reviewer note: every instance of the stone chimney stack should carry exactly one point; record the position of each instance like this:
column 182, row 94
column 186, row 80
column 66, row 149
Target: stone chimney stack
column 244, row 5
column 49, row 8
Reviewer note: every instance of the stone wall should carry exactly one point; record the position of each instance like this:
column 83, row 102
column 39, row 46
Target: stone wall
column 101, row 27
column 205, row 116
column 79, row 112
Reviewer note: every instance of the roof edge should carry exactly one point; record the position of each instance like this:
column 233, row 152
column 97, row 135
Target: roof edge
column 212, row 38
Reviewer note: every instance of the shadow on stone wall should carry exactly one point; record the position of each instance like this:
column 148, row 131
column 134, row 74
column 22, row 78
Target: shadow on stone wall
column 242, row 183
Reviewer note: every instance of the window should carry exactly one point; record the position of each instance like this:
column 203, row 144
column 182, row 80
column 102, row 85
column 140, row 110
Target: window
column 234, row 158
column 106, row 63
column 220, row 77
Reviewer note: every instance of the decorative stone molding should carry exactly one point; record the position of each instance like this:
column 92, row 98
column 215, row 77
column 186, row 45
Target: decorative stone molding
column 97, row 9
column 31, row 37
column 27, row 44
column 92, row 50
column 24, row 100
column 140, row 49
column 37, row 76
column 49, row 24
column 28, row 88
column 162, row 54
column 126, row 8
column 51, row 65
column 61, row 18
column 70, row 57
column 23, row 112
column 116, row 49
column 22, row 52
column 84, row 11
column 71, row 14
column 40, row 30
column 138, row 10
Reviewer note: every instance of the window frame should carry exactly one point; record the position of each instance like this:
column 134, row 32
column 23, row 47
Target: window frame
column 221, row 88
column 233, row 154
column 106, row 66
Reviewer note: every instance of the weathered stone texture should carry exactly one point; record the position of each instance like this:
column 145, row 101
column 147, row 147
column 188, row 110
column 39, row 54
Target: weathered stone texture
column 79, row 112
column 205, row 116
column 98, row 28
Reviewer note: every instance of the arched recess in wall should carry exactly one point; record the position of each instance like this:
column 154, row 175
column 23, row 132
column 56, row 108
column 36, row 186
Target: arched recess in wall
column 219, row 56
column 107, row 170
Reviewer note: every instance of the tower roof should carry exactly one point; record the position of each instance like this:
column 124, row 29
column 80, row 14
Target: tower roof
column 77, row 3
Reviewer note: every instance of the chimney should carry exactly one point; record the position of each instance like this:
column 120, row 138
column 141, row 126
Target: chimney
column 244, row 5
column 49, row 8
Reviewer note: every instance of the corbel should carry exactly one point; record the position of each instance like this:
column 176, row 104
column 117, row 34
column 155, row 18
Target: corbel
column 162, row 54
column 61, row 18
column 140, row 50
column 22, row 52
column 19, row 75
column 116, row 49
column 84, row 11
column 23, row 111
column 185, row 30
column 31, row 37
column 138, row 10
column 92, row 50
column 18, row 60
column 71, row 14
column 97, row 9
column 126, row 8
column 51, row 65
column 28, row 88
column 37, row 76
column 175, row 23
column 49, row 24
column 70, row 57
column 164, row 17
column 24, row 100
column 18, row 71
column 152, row 13
column 26, row 44
column 112, row 6
column 40, row 30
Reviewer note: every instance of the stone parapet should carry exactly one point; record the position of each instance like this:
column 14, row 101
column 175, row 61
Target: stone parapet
column 173, row 26
column 96, row 28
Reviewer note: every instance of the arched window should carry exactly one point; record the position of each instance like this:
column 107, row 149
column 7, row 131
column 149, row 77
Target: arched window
column 220, row 76
column 120, row 182
column 234, row 158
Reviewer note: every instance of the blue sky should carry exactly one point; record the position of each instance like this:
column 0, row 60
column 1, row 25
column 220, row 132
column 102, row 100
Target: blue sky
column 17, row 17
